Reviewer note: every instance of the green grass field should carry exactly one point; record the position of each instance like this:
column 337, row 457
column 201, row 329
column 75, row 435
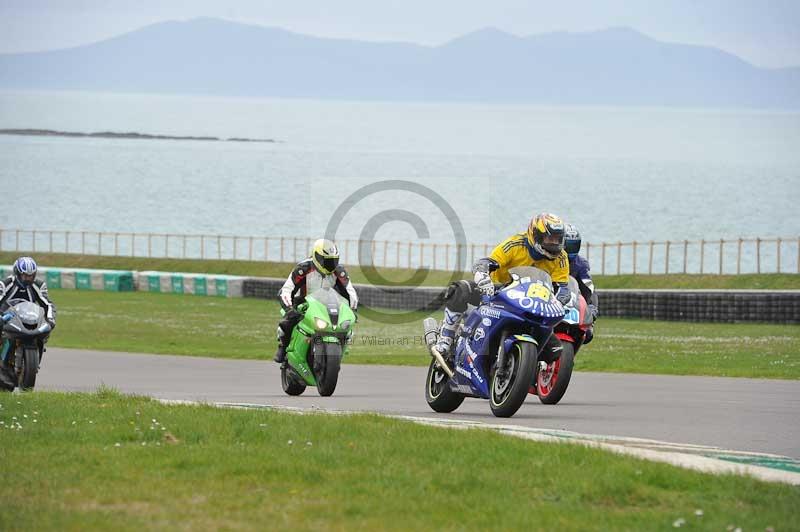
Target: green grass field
column 106, row 461
column 245, row 328
column 399, row 276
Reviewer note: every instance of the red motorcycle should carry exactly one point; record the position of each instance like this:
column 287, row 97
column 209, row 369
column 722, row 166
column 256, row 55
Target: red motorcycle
column 551, row 380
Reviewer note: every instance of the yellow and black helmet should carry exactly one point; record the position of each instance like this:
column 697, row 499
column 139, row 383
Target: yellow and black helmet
column 546, row 235
column 325, row 255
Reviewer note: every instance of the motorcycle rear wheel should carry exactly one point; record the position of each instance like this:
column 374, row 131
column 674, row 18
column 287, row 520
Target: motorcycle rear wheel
column 438, row 393
column 551, row 384
column 290, row 382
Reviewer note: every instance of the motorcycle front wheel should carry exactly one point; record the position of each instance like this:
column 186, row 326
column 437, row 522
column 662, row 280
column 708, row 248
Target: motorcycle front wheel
column 508, row 388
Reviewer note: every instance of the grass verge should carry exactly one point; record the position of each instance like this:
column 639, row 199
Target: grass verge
column 106, row 461
column 401, row 277
column 245, row 328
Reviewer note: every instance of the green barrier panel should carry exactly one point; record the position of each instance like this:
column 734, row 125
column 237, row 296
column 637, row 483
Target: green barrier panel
column 53, row 279
column 83, row 280
column 222, row 287
column 154, row 283
column 118, row 282
column 177, row 284
column 200, row 286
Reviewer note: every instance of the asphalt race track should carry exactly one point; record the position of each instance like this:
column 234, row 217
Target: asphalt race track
column 738, row 414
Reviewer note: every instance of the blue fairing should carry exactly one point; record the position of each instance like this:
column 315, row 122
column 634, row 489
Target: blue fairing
column 522, row 306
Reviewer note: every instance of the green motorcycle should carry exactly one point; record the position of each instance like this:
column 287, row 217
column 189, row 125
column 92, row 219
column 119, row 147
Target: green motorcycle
column 318, row 343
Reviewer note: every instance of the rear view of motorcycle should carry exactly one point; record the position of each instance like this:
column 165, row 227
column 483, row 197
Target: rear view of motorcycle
column 24, row 331
column 552, row 379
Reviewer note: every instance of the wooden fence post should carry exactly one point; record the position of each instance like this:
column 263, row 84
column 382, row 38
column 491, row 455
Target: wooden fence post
column 603, row 260
column 281, row 249
column 434, row 255
column 67, row 237
column 739, row 258
column 650, row 260
column 702, row 254
column 116, row 244
column 266, row 249
column 778, row 268
column 685, row 254
column 397, row 256
column 447, row 257
column 250, row 248
column 619, row 256
column 34, row 240
column 634, row 257
column 421, row 253
column 50, row 247
column 721, row 252
column 758, row 254
column 666, row 258
column 409, row 255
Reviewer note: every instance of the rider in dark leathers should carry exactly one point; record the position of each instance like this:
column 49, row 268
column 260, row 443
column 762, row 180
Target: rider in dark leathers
column 23, row 284
column 323, row 264
column 579, row 269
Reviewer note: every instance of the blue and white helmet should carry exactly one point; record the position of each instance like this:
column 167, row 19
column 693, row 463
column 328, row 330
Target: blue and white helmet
column 25, row 270
column 572, row 241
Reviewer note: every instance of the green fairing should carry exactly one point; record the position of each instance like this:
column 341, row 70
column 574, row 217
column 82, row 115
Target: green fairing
column 306, row 332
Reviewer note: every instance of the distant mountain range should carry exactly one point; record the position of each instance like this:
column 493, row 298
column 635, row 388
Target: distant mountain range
column 617, row 66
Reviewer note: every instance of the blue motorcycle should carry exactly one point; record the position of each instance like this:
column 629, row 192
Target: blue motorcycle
column 497, row 346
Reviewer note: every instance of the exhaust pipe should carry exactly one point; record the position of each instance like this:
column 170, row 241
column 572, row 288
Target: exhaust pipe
column 431, row 327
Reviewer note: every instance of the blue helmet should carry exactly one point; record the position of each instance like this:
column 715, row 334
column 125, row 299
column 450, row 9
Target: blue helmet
column 24, row 271
column 572, row 240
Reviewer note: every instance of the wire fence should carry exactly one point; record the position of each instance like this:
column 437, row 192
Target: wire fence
column 723, row 256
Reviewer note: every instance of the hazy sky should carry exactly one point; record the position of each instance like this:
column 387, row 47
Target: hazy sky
column 765, row 32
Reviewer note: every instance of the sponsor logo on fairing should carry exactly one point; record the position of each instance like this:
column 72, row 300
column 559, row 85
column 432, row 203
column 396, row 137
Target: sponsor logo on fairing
column 490, row 312
column 480, row 334
column 463, row 372
column 486, row 322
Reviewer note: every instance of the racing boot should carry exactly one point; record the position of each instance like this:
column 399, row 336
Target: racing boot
column 447, row 333
column 280, row 355
column 7, row 381
column 551, row 350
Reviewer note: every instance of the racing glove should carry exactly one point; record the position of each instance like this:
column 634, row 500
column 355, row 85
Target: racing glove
column 484, row 283
column 589, row 336
column 593, row 312
column 292, row 314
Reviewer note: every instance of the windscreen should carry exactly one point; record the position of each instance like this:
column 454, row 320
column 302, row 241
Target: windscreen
column 534, row 274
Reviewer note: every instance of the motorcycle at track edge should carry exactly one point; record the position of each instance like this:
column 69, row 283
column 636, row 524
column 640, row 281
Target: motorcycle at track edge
column 496, row 347
column 318, row 343
column 551, row 380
